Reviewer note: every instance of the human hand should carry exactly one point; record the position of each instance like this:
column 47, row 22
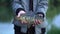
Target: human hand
column 38, row 21
column 22, row 13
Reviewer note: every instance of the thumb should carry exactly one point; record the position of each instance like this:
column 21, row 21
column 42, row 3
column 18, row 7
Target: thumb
column 20, row 12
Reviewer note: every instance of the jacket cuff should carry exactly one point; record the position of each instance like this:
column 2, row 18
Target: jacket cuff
column 19, row 9
column 41, row 13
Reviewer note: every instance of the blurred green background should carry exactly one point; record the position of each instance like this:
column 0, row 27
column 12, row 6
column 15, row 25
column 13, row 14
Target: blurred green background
column 6, row 13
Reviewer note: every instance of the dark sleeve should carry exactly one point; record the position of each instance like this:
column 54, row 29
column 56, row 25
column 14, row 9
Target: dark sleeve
column 17, row 6
column 19, row 9
column 41, row 13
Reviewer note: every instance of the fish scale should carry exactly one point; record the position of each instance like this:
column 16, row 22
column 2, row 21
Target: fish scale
column 30, row 19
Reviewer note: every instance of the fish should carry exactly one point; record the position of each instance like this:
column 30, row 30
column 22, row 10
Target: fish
column 30, row 19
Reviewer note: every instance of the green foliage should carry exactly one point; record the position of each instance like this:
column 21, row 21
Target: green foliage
column 54, row 9
column 55, row 3
column 5, row 14
column 54, row 30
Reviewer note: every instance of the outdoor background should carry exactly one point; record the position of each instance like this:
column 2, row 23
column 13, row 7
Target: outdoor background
column 6, row 16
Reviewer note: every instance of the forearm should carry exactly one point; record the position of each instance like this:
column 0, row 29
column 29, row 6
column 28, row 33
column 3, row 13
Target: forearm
column 16, row 4
column 42, row 6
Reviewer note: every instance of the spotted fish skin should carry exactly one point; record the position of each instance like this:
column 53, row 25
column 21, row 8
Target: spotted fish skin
column 30, row 19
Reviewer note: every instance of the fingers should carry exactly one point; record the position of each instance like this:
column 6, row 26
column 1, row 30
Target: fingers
column 24, row 22
column 36, row 22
